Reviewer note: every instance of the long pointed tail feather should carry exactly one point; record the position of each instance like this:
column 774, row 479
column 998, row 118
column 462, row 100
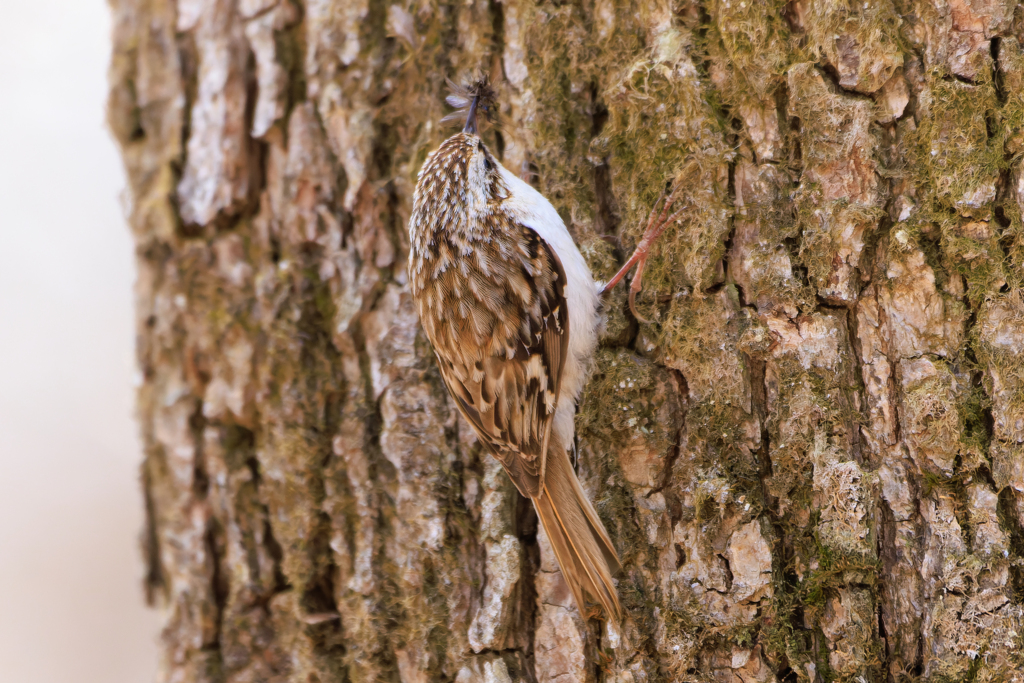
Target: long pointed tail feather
column 581, row 544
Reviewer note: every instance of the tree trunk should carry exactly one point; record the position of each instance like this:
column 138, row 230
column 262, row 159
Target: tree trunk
column 811, row 460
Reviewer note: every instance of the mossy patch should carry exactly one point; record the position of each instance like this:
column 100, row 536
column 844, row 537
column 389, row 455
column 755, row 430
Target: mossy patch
column 959, row 161
column 823, row 226
column 839, row 200
column 944, row 418
column 661, row 129
column 1010, row 84
column 810, row 407
column 699, row 337
column 766, row 224
column 631, row 415
column 752, row 45
column 860, row 40
column 973, row 252
column 834, row 126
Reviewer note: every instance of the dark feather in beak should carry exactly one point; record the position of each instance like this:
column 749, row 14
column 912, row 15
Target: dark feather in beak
column 472, row 101
column 470, row 126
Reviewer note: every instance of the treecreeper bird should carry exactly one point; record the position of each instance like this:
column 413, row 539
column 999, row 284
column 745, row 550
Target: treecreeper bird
column 512, row 311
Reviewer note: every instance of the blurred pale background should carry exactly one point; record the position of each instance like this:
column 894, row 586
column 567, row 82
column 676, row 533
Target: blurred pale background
column 70, row 508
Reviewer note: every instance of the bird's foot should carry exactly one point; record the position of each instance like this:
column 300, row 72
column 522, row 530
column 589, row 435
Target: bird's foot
column 656, row 224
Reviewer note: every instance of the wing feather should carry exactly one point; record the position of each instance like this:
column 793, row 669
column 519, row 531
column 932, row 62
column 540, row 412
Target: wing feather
column 503, row 362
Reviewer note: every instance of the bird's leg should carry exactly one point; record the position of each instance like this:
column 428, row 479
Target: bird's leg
column 656, row 224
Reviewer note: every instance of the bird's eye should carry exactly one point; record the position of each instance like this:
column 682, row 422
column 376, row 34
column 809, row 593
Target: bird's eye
column 488, row 165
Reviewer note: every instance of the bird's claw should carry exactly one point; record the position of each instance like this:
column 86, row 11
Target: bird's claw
column 634, row 289
column 656, row 224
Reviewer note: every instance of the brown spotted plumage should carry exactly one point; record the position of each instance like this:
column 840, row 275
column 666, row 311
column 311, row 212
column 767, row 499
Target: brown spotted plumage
column 491, row 300
column 510, row 308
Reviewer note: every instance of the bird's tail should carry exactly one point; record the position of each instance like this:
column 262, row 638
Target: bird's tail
column 581, row 544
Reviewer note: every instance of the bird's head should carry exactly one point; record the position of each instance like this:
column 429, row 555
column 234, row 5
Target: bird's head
column 461, row 181
column 462, row 176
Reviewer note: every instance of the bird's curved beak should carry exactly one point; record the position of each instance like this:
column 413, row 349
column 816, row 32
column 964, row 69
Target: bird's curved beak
column 470, row 126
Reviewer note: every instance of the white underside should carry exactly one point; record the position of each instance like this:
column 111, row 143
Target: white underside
column 535, row 212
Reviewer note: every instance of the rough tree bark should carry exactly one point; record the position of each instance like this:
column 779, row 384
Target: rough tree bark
column 812, row 460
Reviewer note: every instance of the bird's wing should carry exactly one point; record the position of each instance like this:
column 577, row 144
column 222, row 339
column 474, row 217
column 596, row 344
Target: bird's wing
column 501, row 335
